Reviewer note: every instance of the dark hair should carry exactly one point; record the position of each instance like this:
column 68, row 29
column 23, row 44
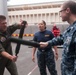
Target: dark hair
column 2, row 17
column 71, row 5
column 44, row 23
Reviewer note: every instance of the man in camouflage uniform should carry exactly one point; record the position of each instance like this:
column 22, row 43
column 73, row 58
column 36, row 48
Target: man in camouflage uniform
column 68, row 39
column 5, row 47
column 45, row 56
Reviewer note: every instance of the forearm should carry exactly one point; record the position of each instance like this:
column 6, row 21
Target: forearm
column 55, row 49
column 16, row 25
column 7, row 55
column 56, row 52
column 56, row 41
column 13, row 28
column 33, row 51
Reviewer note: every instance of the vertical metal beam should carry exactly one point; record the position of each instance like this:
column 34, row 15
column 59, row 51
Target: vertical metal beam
column 3, row 8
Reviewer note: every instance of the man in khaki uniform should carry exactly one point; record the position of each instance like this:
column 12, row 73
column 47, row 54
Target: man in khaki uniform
column 5, row 47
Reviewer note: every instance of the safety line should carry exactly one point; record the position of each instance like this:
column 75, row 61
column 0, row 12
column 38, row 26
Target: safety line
column 32, row 70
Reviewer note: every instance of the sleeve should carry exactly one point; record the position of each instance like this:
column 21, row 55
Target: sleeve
column 74, row 38
column 35, row 38
column 13, row 28
column 51, row 35
column 1, row 48
column 74, row 41
column 56, row 41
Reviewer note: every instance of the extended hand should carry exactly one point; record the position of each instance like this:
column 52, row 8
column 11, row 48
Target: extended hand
column 22, row 23
column 43, row 44
column 14, row 58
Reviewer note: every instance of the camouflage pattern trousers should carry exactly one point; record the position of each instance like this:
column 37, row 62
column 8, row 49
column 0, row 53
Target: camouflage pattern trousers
column 46, row 59
column 68, row 66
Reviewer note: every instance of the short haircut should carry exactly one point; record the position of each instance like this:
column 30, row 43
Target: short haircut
column 2, row 17
column 44, row 23
column 71, row 5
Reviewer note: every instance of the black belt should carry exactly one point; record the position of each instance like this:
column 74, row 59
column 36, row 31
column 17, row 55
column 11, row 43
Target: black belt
column 45, row 50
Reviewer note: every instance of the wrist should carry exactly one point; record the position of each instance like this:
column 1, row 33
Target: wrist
column 10, row 57
column 33, row 55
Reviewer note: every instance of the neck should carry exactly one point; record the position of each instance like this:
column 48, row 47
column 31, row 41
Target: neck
column 72, row 19
column 42, row 30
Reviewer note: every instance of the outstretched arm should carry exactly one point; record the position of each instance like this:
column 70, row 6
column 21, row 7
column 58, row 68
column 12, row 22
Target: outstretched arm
column 53, row 42
column 14, row 27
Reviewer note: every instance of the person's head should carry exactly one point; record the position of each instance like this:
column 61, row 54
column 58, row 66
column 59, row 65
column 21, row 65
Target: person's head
column 3, row 23
column 68, row 9
column 42, row 25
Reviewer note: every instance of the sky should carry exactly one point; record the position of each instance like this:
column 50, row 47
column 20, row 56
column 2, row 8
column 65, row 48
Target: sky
column 19, row 2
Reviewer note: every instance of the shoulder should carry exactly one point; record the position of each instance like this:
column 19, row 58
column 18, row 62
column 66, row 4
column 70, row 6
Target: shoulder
column 48, row 31
column 74, row 25
column 37, row 33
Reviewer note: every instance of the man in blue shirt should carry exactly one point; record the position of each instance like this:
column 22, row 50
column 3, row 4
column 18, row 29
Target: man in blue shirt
column 68, row 39
column 45, row 56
